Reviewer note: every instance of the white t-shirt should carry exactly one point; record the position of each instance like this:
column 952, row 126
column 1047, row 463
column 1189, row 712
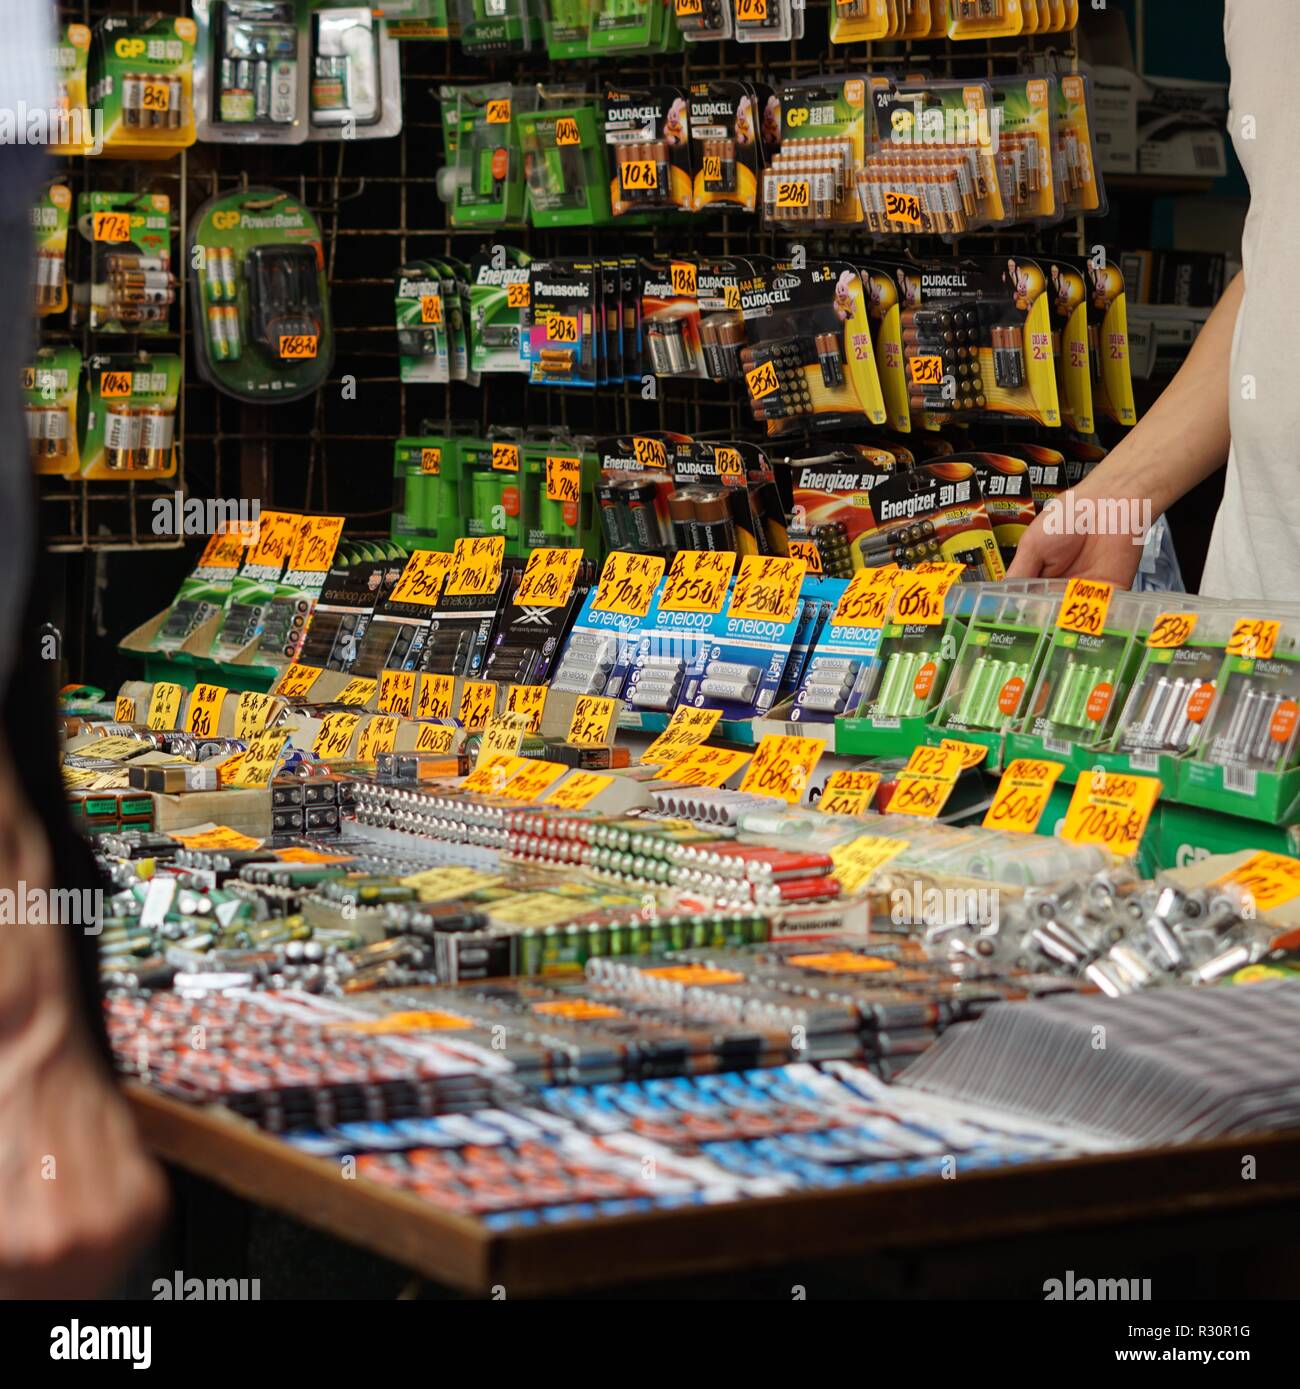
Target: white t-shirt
column 1255, row 548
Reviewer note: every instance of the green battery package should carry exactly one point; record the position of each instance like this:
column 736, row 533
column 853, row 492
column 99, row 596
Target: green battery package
column 260, row 300
column 420, row 19
column 499, row 294
column 566, row 25
column 51, row 214
column 485, row 185
column 356, row 74
column 559, row 474
column 631, row 26
column 140, row 77
column 428, row 511
column 254, row 587
column 566, row 172
column 997, row 668
column 50, row 382
column 432, row 344
column 131, row 284
column 251, row 71
column 127, row 409
column 204, row 593
column 491, row 491
column 497, row 26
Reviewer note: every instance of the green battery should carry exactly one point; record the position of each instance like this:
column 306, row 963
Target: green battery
column 975, row 695
column 229, row 280
column 1088, row 676
column 1065, row 692
column 618, row 938
column 1002, row 673
column 597, row 941
column 890, row 684
column 1096, row 676
column 554, row 529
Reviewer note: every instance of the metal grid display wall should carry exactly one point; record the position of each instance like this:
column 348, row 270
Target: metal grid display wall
column 377, row 204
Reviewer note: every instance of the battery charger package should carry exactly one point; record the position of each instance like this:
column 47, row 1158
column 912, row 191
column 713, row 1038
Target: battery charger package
column 631, row 26
column 252, row 62
column 260, row 300
column 51, row 382
column 486, row 184
column 566, row 172
column 131, row 286
column 140, row 78
column 809, row 364
column 127, row 409
column 498, row 297
column 648, row 131
column 51, row 214
column 356, row 75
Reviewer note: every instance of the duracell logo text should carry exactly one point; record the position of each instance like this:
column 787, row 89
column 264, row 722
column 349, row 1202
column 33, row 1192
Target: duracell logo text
column 632, row 113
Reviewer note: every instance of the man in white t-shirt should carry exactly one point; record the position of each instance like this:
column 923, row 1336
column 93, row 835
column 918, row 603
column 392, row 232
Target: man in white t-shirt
column 1237, row 397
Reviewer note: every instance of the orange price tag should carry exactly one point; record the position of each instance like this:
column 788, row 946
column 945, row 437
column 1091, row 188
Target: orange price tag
column 532, row 780
column 682, row 276
column 1022, row 795
column 697, row 581
column 115, row 385
column 124, row 709
column 296, row 681
column 903, row 207
column 971, row 754
column 498, row 111
column 639, row 175
column 434, row 699
column 807, row 551
column 593, row 716
column 566, row 132
column 431, row 308
column 1111, row 809
column 781, row 767
column 111, row 226
column 649, row 453
column 686, row 729
column 1253, row 638
column 924, row 785
column 849, row 793
column 519, row 294
column 561, row 328
column 396, row 689
column 1269, row 880
column 866, row 600
column 204, row 712
column 578, row 791
column 628, row 583
column 335, row 735
column 505, row 457
column 476, row 566
column 703, row 766
column 795, row 193
column 548, row 578
column 357, row 691
column 563, row 479
column 1084, row 607
column 298, row 347
column 478, row 699
column 527, row 702
column 762, row 380
column 918, row 597
column 766, row 589
column 1171, row 630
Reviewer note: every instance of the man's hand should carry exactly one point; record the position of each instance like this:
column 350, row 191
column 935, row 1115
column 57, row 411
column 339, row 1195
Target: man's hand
column 78, row 1195
column 1084, row 536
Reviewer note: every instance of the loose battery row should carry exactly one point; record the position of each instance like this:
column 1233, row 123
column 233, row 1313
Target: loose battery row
column 628, row 517
column 830, row 683
column 1073, row 704
column 666, row 345
column 220, row 279
column 151, row 102
column 258, row 91
column 138, row 437
column 139, row 288
column 1008, row 358
column 897, row 697
column 809, row 181
column 655, row 682
column 51, row 278
column 587, row 663
column 722, row 339
column 719, row 155
column 637, row 184
column 981, row 703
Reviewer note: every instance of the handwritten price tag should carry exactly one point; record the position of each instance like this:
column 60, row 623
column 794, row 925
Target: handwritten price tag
column 1269, row 880
column 357, row 691
column 520, row 294
column 903, row 207
column 260, row 760
column 703, row 766
column 592, row 718
column 639, row 175
column 567, row 132
column 296, row 682
column 478, row 700
column 335, row 736
column 697, row 582
column 849, row 793
column 548, row 578
column 649, row 453
column 1084, row 607
column 781, row 767
column 111, row 226
column 498, row 111
column 1253, row 638
column 681, row 274
column 971, row 754
column 431, row 308
column 532, row 780
column 767, row 589
column 252, row 712
column 865, row 603
column 298, row 347
column 1022, row 795
column 435, row 696
column 793, row 193
column 807, row 551
column 434, row 737
column 563, row 478
column 396, row 690
column 124, row 709
column 476, row 566
column 1171, row 630
column 1112, row 810
column 686, row 729
column 578, row 791
column 115, row 385
column 491, row 773
column 527, row 702
column 926, row 371
column 926, row 782
column 164, row 706
column 856, row 861
column 204, row 713
column 379, row 735
column 218, row 837
column 628, row 583
column 918, row 598
column 762, row 380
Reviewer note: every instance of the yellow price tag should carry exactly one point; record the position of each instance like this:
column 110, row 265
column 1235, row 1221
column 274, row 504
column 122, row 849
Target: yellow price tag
column 501, row 738
column 422, row 578
column 849, row 793
column 567, row 132
column 548, row 578
column 971, row 754
column 124, row 709
column 204, row 712
column 807, row 551
column 251, row 713
column 627, row 583
column 335, row 735
column 260, row 760
column 478, row 700
column 1171, row 630
column 918, row 597
column 1269, row 880
column 703, row 766
column 436, row 694
column 396, row 690
column 686, row 729
column 164, row 706
column 434, row 737
column 491, row 774
column 218, row 837
column 527, row 701
column 924, row 785
column 856, row 861
column 592, row 717
column 476, row 566
column 578, row 791
column 767, row 589
column 296, row 681
column 762, row 380
column 1022, row 795
column 155, row 96
column 1111, row 809
column 563, row 478
column 532, row 780
column 115, row 385
column 379, row 735
column 865, row 602
column 1084, row 607
column 498, row 111
column 781, row 767
column 357, row 691
column 649, row 453
column 560, row 328
column 697, row 581
column 1253, row 638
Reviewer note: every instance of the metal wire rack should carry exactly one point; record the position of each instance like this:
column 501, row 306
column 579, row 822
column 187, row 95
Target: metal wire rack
column 377, row 205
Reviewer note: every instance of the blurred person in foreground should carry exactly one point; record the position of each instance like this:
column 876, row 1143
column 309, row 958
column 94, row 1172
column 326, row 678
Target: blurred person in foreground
column 78, row 1195
column 1235, row 397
